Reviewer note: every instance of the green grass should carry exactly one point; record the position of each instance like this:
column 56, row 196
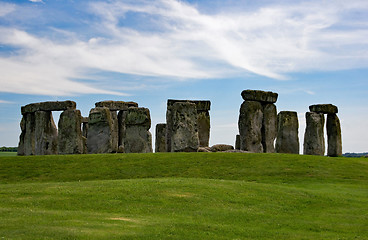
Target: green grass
column 7, row 154
column 183, row 196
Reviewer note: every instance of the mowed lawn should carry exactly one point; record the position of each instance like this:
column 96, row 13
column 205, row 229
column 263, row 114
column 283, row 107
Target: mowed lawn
column 183, row 196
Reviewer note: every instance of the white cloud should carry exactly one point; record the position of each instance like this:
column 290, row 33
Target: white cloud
column 270, row 41
column 6, row 8
column 36, row 1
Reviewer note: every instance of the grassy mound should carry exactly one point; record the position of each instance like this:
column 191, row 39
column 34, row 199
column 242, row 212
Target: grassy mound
column 183, row 196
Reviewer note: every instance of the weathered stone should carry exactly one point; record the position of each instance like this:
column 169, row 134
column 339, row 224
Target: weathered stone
column 21, row 137
column 69, row 133
column 250, row 125
column 138, row 116
column 314, row 142
column 287, row 140
column 237, row 142
column 116, row 105
column 46, row 141
column 260, row 96
column 160, row 145
column 236, row 151
column 121, row 129
column 201, row 105
column 269, row 127
column 100, row 131
column 48, row 106
column 203, row 123
column 221, row 148
column 29, row 134
column 204, row 149
column 137, row 138
column 115, row 129
column 183, row 130
column 323, row 108
column 334, row 142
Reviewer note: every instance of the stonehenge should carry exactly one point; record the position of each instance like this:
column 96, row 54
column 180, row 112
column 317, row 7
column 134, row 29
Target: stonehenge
column 111, row 126
column 39, row 134
column 314, row 141
column 257, row 121
column 123, row 127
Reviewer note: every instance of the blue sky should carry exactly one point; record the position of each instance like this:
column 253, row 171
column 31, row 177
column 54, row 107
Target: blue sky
column 309, row 52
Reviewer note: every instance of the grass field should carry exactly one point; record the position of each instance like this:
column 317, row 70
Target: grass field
column 7, row 154
column 183, row 196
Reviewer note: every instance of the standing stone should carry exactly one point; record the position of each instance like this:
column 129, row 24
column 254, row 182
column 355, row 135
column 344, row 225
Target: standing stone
column 203, row 121
column 250, row 126
column 29, row 135
column 100, row 131
column 160, row 145
column 269, row 127
column 45, row 134
column 70, row 133
column 184, row 130
column 287, row 133
column 137, row 137
column 21, row 137
column 314, row 142
column 237, row 142
column 333, row 136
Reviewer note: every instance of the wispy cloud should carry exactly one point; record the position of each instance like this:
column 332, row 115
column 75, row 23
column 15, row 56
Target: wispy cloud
column 177, row 40
column 6, row 8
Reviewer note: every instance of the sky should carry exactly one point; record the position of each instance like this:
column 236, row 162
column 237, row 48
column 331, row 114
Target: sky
column 309, row 52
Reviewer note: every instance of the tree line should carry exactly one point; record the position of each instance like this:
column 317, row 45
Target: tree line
column 8, row 149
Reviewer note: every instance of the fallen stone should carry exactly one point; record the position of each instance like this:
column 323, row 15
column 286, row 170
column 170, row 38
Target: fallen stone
column 260, row 96
column 69, row 133
column 314, row 141
column 204, row 149
column 269, row 127
column 334, row 141
column 46, row 136
column 48, row 106
column 221, row 148
column 183, row 130
column 160, row 145
column 287, row 140
column 323, row 108
column 250, row 126
column 236, row 151
column 116, row 105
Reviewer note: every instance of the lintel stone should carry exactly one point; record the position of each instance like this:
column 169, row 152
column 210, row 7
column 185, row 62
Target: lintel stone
column 116, row 105
column 201, row 105
column 259, row 96
column 49, row 106
column 323, row 108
